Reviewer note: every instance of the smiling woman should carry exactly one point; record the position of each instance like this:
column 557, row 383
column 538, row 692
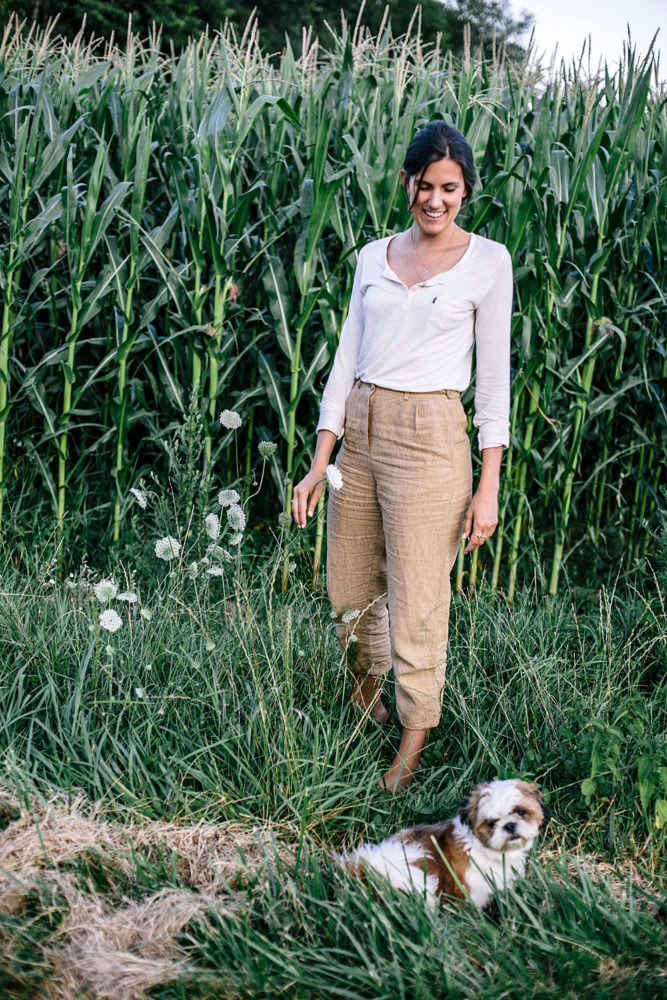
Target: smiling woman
column 422, row 301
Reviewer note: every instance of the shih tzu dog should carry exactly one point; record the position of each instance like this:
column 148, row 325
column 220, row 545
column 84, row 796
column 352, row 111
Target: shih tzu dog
column 486, row 844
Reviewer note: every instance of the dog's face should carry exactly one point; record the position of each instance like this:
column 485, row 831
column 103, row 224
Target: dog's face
column 505, row 815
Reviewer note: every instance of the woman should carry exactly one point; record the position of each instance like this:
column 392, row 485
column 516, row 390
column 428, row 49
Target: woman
column 420, row 300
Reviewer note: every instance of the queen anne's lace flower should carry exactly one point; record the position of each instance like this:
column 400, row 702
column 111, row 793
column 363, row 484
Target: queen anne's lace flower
column 236, row 517
column 284, row 519
column 142, row 499
column 213, row 526
column 334, row 478
column 105, row 591
column 349, row 616
column 230, row 419
column 215, row 571
column 146, row 614
column 235, row 539
column 167, row 548
column 128, row 596
column 227, row 497
column 267, row 448
column 110, row 620
column 217, row 552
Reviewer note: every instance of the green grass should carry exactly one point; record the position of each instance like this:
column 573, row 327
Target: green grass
column 230, row 705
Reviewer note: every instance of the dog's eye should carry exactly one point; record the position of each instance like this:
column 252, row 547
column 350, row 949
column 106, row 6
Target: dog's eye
column 491, row 823
column 520, row 812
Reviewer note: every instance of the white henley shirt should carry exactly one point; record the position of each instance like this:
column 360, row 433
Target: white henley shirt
column 420, row 339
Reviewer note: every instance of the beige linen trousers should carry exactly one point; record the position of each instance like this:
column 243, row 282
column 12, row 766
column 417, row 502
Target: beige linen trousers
column 393, row 534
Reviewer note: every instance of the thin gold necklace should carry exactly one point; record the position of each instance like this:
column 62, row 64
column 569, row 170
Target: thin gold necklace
column 427, row 270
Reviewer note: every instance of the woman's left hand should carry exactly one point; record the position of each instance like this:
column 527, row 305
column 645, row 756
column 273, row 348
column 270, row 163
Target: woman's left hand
column 481, row 519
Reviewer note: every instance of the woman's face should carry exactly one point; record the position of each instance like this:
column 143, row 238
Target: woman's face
column 436, row 199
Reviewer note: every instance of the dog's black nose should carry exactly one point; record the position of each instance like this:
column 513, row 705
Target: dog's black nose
column 510, row 828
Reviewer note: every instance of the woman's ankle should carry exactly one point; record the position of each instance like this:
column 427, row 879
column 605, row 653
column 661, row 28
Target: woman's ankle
column 405, row 763
column 366, row 692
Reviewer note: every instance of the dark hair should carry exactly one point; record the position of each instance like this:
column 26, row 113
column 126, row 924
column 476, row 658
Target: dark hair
column 436, row 141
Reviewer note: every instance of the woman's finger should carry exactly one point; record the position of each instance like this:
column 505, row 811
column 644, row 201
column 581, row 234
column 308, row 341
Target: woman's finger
column 299, row 502
column 314, row 498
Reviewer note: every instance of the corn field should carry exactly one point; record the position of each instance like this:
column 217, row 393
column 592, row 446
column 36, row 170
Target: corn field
column 185, row 227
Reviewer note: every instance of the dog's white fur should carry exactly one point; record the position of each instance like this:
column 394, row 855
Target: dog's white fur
column 485, row 845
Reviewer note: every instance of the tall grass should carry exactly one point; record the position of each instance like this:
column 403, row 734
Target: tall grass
column 221, row 707
column 142, row 191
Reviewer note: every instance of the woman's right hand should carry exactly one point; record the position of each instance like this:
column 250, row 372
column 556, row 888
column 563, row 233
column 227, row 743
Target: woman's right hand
column 306, row 495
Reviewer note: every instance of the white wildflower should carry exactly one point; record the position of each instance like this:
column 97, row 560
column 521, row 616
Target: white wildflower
column 290, row 566
column 267, row 448
column 141, row 497
column 210, row 646
column 235, row 539
column 227, row 497
column 149, row 666
column 213, row 526
column 217, row 552
column 139, row 692
column 128, row 596
column 334, row 478
column 236, row 517
column 110, row 620
column 215, row 571
column 193, row 570
column 284, row 520
column 353, row 638
column 109, row 650
column 349, row 616
column 230, row 419
column 146, row 614
column 105, row 591
column 167, row 548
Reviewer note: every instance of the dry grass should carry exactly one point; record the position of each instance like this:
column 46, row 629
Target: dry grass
column 207, row 857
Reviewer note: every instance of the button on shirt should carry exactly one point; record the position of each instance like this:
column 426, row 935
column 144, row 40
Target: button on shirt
column 421, row 339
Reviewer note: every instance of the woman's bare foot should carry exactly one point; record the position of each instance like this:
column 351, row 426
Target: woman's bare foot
column 406, row 761
column 366, row 694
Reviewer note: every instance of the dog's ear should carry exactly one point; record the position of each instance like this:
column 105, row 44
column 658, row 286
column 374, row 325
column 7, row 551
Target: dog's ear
column 546, row 815
column 537, row 794
column 465, row 811
column 532, row 789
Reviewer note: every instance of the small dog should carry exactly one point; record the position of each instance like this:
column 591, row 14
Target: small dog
column 485, row 844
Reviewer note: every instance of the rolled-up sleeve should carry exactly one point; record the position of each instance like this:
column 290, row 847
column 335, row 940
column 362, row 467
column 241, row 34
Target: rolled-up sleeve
column 341, row 379
column 493, row 319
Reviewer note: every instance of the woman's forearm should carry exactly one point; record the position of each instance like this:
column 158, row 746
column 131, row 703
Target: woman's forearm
column 326, row 442
column 489, row 480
